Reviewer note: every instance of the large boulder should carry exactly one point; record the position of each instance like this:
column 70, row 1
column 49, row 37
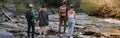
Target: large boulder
column 5, row 34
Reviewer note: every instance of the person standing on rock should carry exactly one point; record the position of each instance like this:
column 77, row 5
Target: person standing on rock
column 30, row 15
column 62, row 17
column 43, row 21
column 71, row 20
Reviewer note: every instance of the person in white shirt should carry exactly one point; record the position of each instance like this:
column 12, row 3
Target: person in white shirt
column 71, row 20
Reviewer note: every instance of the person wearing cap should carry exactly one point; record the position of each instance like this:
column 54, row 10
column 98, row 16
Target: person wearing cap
column 30, row 15
column 43, row 21
column 71, row 20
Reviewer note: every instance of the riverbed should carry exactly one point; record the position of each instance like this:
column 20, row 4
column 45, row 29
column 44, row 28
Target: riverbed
column 102, row 27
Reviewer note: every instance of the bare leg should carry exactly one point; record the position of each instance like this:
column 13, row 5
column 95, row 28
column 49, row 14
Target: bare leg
column 40, row 31
column 44, row 29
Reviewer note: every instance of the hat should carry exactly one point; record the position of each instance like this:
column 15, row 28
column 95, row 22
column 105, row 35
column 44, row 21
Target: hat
column 30, row 5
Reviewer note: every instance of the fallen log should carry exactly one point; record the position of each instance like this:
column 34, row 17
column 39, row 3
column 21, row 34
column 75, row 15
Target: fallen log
column 6, row 15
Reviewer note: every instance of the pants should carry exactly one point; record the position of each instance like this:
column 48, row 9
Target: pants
column 31, row 26
column 62, row 22
column 71, row 23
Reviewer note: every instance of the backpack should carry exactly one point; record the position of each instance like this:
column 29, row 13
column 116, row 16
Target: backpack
column 29, row 15
column 63, row 11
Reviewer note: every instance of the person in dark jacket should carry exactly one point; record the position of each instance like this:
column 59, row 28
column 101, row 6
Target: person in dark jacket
column 30, row 15
column 43, row 20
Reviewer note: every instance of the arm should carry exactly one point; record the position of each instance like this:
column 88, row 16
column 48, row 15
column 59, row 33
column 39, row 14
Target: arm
column 67, row 14
column 75, row 14
column 38, row 16
column 33, row 15
column 59, row 11
column 47, row 16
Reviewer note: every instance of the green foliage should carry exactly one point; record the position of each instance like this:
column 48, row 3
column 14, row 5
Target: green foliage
column 88, row 6
column 53, row 3
column 1, row 1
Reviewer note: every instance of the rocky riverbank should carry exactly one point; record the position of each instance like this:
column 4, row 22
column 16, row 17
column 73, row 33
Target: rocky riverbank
column 85, row 27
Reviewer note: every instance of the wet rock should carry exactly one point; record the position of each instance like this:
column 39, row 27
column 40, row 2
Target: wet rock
column 23, row 17
column 37, row 29
column 85, row 36
column 79, row 27
column 51, row 32
column 107, row 32
column 12, row 30
column 114, row 36
column 54, row 25
column 22, row 25
column 19, row 20
column 5, row 34
column 52, row 36
column 8, row 24
column 89, row 33
column 77, row 24
column 10, row 8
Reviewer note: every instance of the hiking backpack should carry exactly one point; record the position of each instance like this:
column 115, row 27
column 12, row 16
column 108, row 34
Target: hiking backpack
column 29, row 14
column 63, row 11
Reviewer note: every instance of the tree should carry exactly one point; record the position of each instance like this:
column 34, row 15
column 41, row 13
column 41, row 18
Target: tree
column 53, row 3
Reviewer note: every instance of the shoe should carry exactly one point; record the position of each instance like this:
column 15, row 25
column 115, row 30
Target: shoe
column 43, row 36
column 68, row 34
column 71, row 36
column 40, row 36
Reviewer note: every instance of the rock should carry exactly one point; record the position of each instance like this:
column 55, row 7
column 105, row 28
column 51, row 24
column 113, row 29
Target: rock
column 77, row 24
column 85, row 36
column 79, row 27
column 12, row 30
column 19, row 20
column 115, row 36
column 8, row 24
column 23, row 17
column 5, row 34
column 77, row 33
column 107, row 32
column 15, row 30
column 89, row 33
column 52, row 36
column 22, row 25
column 51, row 32
column 54, row 25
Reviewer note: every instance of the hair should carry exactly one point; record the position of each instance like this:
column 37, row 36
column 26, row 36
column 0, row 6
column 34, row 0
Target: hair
column 64, row 2
column 43, row 8
column 71, row 6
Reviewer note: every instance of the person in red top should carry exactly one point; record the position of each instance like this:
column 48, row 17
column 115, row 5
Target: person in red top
column 63, row 16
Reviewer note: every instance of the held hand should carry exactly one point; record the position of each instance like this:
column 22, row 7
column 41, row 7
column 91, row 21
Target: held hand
column 37, row 21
